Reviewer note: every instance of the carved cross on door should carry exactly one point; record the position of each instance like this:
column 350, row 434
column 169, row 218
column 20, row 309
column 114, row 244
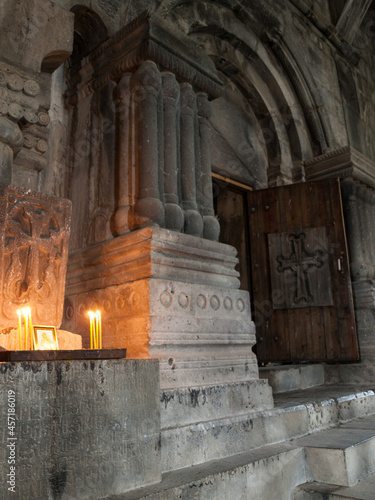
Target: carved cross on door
column 299, row 262
column 299, row 266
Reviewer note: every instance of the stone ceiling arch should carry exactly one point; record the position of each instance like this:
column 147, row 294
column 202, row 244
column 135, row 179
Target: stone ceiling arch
column 270, row 80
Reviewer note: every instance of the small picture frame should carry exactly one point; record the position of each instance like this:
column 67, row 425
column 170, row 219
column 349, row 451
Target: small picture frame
column 45, row 338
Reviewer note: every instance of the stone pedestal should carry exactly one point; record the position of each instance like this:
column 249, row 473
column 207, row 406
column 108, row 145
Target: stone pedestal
column 169, row 296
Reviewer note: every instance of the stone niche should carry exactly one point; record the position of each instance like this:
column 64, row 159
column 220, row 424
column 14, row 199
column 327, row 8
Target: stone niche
column 34, row 237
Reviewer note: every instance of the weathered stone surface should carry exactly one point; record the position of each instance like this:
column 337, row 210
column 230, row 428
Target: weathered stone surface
column 156, row 253
column 32, row 31
column 292, row 378
column 34, row 236
column 83, row 429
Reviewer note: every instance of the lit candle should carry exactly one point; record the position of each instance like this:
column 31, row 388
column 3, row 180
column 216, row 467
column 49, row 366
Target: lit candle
column 19, row 329
column 99, row 326
column 26, row 312
column 32, row 339
column 91, row 316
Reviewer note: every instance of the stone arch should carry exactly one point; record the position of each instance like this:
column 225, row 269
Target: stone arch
column 279, row 101
column 89, row 32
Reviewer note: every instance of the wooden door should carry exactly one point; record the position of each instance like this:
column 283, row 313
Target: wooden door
column 301, row 291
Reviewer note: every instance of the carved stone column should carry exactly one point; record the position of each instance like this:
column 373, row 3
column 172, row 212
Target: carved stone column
column 165, row 291
column 193, row 219
column 211, row 227
column 174, row 216
column 124, row 170
column 146, row 84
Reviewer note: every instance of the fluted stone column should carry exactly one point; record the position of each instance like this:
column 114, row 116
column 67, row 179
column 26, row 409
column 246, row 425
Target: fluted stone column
column 211, row 226
column 146, row 82
column 193, row 219
column 122, row 99
column 174, row 216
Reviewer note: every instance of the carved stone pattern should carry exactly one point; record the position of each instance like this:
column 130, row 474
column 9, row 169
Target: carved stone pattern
column 166, row 299
column 33, row 255
column 240, row 305
column 201, row 301
column 102, row 69
column 183, row 300
column 215, row 302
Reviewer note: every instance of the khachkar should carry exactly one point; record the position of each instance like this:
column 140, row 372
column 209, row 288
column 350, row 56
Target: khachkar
column 166, row 287
column 34, row 237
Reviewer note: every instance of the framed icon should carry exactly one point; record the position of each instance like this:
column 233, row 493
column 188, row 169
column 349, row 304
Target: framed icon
column 45, row 338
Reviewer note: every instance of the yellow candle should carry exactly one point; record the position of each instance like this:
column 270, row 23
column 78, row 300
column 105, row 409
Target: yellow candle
column 96, row 331
column 25, row 312
column 31, row 332
column 99, row 328
column 19, row 329
column 91, row 316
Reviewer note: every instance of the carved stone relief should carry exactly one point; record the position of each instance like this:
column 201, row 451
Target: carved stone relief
column 34, row 232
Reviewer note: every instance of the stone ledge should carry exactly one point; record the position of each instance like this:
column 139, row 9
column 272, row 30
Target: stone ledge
column 156, row 253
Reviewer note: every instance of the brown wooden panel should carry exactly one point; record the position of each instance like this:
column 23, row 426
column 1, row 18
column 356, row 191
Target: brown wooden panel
column 319, row 327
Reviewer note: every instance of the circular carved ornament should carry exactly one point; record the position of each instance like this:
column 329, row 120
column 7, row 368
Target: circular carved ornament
column 82, row 309
column 15, row 83
column 135, row 298
column 41, row 146
column 228, row 304
column 3, row 78
column 121, row 302
column 107, row 306
column 215, row 302
column 201, row 301
column 31, row 88
column 28, row 141
column 69, row 312
column 43, row 119
column 15, row 111
column 166, row 298
column 183, row 300
column 240, row 305
column 30, row 117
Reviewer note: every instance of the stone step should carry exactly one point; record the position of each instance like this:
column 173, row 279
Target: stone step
column 294, row 415
column 364, row 490
column 343, row 455
column 258, row 471
column 271, row 473
column 286, row 378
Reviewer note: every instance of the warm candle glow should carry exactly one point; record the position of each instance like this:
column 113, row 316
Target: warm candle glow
column 99, row 328
column 19, row 329
column 91, row 316
column 26, row 311
column 95, row 329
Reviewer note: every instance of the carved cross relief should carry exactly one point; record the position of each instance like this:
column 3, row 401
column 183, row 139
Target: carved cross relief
column 299, row 266
column 33, row 254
